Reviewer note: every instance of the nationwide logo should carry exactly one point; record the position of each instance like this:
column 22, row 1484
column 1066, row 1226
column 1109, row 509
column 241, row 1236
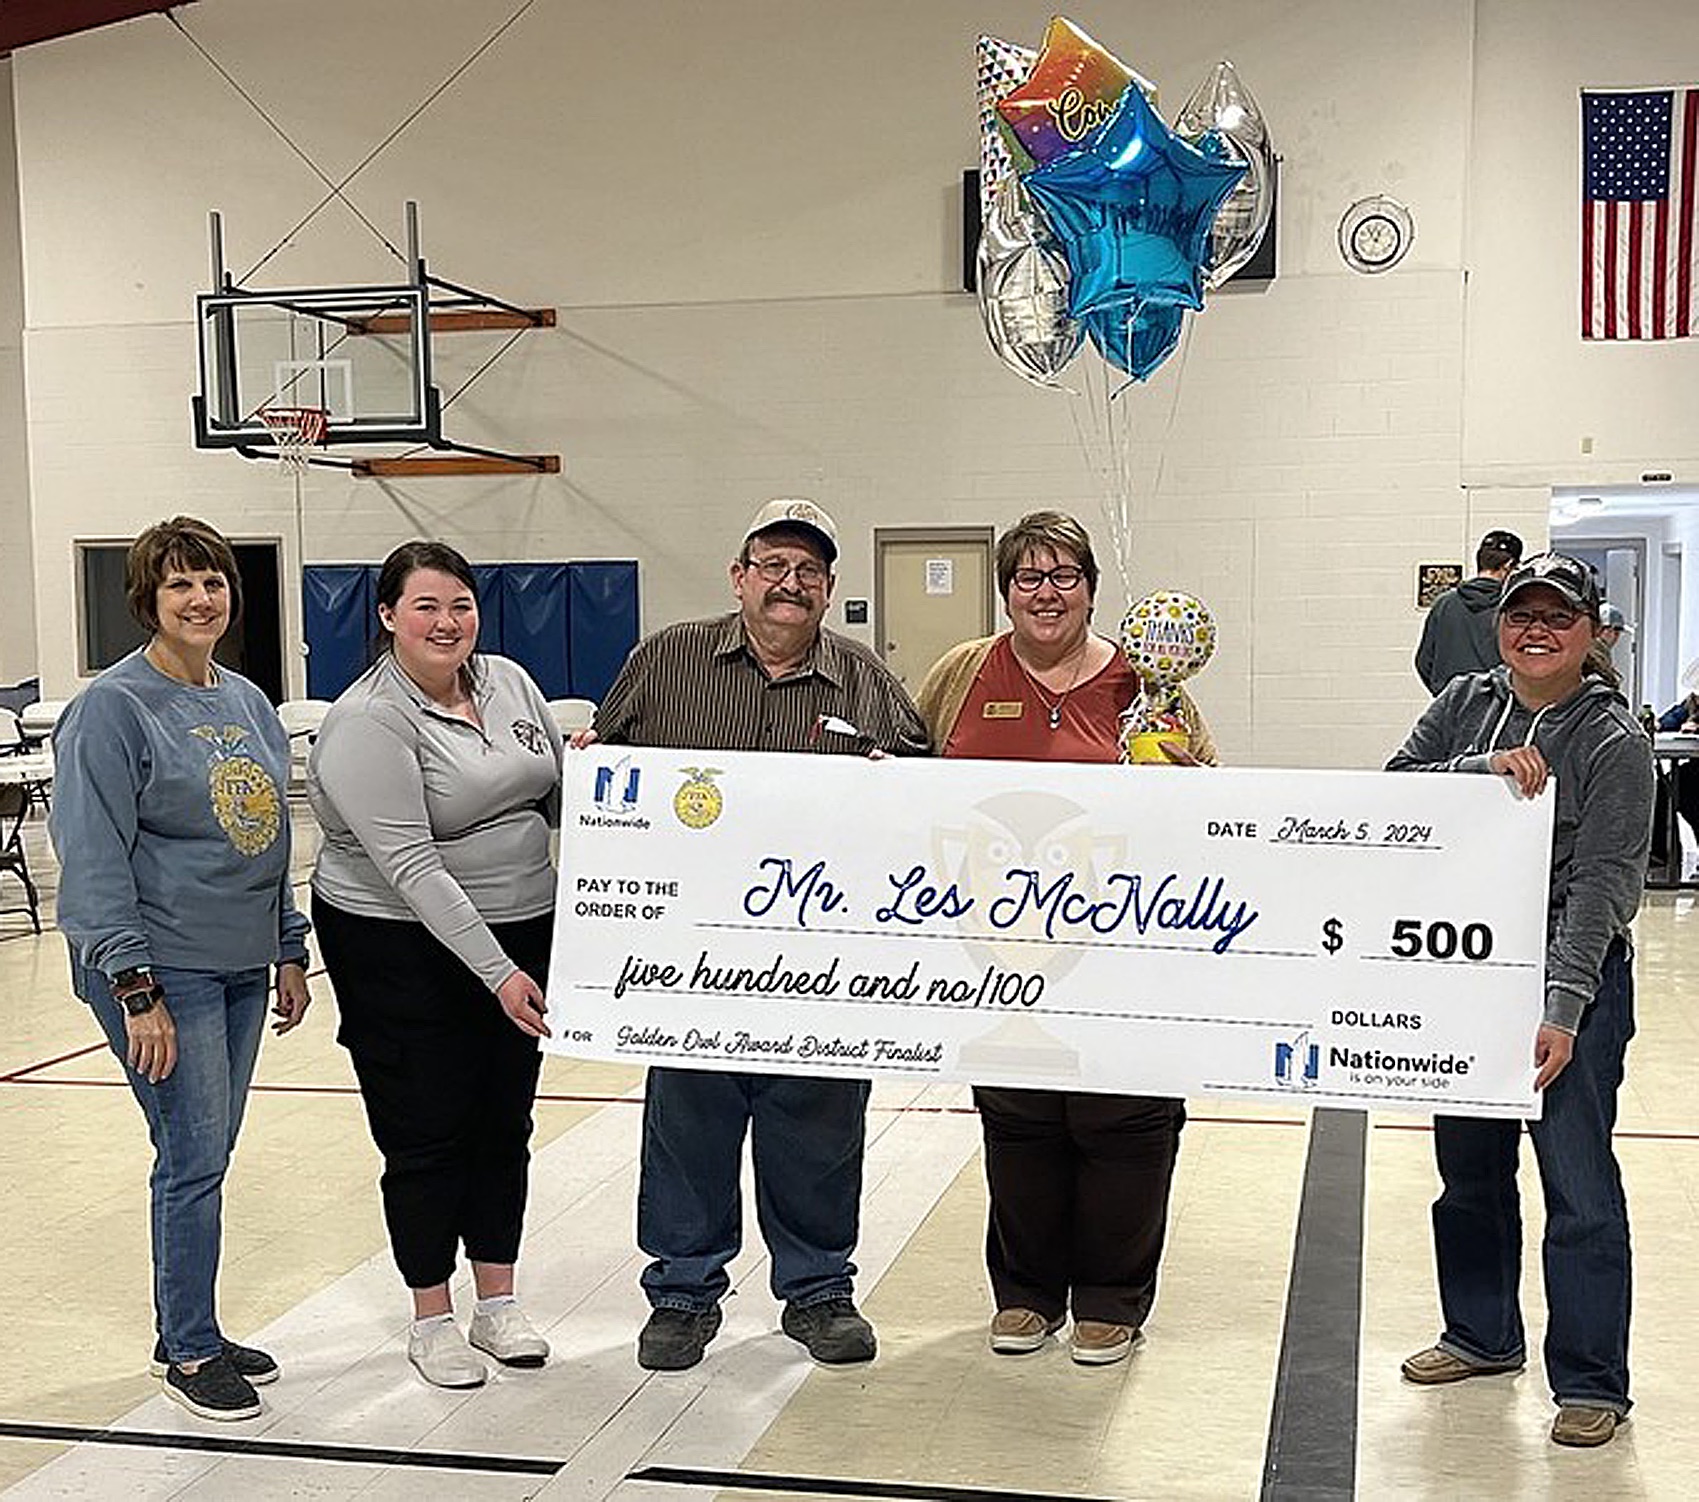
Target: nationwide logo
column 616, row 786
column 1297, row 1062
column 615, row 792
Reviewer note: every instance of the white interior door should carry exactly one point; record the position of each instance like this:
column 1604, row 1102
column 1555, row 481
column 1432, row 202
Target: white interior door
column 933, row 588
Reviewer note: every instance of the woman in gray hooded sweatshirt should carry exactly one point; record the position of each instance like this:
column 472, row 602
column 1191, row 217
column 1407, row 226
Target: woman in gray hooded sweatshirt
column 1537, row 718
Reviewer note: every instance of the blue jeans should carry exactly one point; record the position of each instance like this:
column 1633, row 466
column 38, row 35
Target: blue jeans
column 807, row 1137
column 1478, row 1221
column 193, row 1115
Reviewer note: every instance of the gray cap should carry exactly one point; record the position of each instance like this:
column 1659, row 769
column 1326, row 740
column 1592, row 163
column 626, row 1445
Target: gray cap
column 1611, row 615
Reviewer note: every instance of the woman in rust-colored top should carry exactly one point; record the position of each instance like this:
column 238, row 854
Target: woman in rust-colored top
column 1078, row 1180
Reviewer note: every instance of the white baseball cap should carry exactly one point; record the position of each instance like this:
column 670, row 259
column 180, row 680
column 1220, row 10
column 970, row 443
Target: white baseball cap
column 797, row 511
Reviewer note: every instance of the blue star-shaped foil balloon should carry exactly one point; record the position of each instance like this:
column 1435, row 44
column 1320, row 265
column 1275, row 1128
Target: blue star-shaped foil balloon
column 1136, row 337
column 1133, row 210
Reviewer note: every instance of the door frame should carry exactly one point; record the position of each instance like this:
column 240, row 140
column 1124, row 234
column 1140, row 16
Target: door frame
column 1636, row 544
column 985, row 537
column 270, row 667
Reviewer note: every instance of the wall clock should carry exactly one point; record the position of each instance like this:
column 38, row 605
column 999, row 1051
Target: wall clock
column 1375, row 234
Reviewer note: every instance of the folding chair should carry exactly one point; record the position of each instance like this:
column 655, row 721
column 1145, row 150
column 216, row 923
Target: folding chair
column 14, row 805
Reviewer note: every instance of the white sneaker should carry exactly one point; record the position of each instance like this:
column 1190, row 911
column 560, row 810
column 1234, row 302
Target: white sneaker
column 443, row 1358
column 508, row 1336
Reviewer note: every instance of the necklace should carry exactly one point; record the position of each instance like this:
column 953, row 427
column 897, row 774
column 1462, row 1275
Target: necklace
column 1054, row 711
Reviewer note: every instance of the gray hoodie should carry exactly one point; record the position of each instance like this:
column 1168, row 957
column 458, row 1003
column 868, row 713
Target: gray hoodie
column 1460, row 634
column 1602, row 823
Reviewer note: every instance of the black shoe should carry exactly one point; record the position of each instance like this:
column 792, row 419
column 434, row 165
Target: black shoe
column 214, row 1390
column 832, row 1330
column 255, row 1365
column 674, row 1339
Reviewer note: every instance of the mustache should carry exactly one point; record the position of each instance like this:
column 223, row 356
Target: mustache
column 779, row 595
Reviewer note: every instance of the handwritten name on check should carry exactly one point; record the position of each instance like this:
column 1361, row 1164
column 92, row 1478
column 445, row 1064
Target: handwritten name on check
column 1349, row 938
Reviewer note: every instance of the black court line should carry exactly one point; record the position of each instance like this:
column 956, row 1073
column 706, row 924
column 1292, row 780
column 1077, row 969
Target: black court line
column 839, row 1486
column 1312, row 1432
column 145, row 1439
column 523, row 1465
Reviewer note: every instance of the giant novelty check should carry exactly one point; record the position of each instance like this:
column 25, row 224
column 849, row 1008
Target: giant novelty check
column 1355, row 938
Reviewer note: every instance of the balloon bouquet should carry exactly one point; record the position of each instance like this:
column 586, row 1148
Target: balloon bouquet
column 1102, row 222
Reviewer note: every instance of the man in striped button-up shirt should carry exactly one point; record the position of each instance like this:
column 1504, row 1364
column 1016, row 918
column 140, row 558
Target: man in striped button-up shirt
column 766, row 677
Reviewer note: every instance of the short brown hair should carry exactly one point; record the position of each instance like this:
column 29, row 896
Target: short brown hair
column 182, row 543
column 1054, row 531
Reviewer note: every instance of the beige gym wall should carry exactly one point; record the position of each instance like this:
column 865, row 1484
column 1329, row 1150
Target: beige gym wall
column 748, row 217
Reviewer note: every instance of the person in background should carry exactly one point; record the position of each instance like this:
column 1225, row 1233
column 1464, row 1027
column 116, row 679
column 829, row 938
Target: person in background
column 171, row 825
column 1601, row 656
column 1542, row 716
column 1613, row 625
column 1459, row 634
column 1681, row 718
column 766, row 677
column 436, row 778
column 1078, row 1180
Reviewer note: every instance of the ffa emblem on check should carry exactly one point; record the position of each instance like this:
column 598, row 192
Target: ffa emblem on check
column 698, row 803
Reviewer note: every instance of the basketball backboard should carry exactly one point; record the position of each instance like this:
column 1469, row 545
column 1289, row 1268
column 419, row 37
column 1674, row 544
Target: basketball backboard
column 362, row 354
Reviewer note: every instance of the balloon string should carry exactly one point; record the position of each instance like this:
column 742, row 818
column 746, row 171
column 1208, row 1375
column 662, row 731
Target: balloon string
column 1117, row 422
column 1098, row 445
column 1108, row 445
column 1173, row 404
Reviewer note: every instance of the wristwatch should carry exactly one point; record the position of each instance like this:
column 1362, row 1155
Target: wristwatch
column 136, row 990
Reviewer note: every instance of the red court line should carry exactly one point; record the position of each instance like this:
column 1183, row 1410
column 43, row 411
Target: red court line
column 551, row 1097
column 17, row 1075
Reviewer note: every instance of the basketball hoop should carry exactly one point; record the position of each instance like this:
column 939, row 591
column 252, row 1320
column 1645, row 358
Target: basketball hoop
column 295, row 431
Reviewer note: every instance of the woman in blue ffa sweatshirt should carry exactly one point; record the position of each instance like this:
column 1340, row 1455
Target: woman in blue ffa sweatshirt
column 172, row 831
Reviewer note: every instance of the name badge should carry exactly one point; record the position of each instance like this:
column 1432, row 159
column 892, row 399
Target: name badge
column 1003, row 709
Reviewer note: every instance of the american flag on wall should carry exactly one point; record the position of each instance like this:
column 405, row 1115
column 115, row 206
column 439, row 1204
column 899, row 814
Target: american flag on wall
column 1638, row 240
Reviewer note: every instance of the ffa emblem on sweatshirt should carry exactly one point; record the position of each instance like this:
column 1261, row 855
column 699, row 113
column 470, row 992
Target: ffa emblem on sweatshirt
column 244, row 798
column 698, row 803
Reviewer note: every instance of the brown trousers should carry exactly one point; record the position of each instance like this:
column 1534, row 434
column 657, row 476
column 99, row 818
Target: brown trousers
column 1079, row 1199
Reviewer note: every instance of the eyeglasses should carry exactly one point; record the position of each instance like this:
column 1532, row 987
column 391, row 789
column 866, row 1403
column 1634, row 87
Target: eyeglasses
column 1064, row 576
column 1558, row 621
column 809, row 574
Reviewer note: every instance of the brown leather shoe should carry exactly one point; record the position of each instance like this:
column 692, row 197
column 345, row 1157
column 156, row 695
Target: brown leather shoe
column 1576, row 1424
column 1096, row 1343
column 1015, row 1332
column 1436, row 1364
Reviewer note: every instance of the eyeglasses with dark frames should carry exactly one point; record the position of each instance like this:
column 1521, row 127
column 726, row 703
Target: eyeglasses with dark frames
column 1064, row 576
column 773, row 570
column 1558, row 620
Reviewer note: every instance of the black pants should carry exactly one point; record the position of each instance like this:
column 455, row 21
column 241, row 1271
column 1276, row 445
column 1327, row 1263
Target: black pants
column 1079, row 1199
column 448, row 1083
column 1686, row 774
